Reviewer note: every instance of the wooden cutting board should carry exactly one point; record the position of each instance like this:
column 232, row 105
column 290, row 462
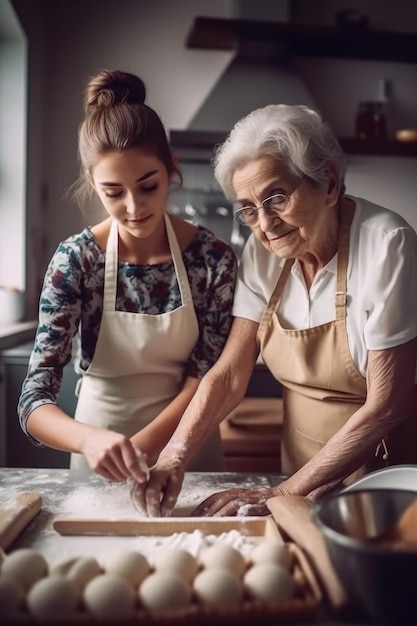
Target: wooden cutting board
column 159, row 526
column 15, row 515
column 292, row 514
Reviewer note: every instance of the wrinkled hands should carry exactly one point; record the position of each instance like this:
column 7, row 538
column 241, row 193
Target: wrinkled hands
column 158, row 496
column 114, row 457
column 237, row 501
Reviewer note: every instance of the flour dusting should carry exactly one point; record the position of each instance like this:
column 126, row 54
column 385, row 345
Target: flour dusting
column 67, row 494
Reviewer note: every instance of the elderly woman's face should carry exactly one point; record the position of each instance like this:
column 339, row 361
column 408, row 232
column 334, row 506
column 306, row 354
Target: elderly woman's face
column 291, row 226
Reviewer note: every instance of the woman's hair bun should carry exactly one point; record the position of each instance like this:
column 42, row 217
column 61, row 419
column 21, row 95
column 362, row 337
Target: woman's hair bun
column 109, row 88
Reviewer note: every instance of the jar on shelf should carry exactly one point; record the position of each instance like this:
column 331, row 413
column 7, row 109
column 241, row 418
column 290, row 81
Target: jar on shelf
column 370, row 121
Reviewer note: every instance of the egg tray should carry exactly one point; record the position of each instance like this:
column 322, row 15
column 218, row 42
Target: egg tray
column 303, row 605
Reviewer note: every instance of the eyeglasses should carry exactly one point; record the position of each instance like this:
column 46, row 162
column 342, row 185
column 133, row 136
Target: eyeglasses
column 273, row 205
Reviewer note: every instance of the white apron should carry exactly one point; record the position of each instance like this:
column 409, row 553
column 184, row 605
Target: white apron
column 139, row 362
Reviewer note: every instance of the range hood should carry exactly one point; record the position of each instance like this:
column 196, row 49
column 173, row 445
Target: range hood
column 260, row 72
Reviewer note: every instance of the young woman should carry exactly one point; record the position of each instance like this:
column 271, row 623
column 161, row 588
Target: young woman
column 149, row 294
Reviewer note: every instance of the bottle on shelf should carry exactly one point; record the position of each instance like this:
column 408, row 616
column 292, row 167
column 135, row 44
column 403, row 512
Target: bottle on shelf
column 381, row 112
column 364, row 121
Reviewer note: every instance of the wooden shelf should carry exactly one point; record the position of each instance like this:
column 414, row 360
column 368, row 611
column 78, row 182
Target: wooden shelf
column 273, row 40
column 198, row 145
column 379, row 147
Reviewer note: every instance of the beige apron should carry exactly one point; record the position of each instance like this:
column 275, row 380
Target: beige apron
column 322, row 387
column 139, row 361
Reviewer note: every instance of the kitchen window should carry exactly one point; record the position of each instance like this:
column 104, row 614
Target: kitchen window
column 13, row 147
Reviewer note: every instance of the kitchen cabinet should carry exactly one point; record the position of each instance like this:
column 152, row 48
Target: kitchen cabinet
column 251, row 436
column 15, row 449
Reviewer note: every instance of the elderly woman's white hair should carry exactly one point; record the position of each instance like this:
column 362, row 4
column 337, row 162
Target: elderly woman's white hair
column 294, row 134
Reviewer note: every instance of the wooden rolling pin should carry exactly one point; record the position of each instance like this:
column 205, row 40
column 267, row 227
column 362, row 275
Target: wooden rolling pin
column 292, row 515
column 15, row 515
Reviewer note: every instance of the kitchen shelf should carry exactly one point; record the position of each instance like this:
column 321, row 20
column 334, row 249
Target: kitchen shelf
column 197, row 145
column 273, row 40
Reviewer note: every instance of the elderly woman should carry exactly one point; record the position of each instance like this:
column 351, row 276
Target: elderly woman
column 327, row 295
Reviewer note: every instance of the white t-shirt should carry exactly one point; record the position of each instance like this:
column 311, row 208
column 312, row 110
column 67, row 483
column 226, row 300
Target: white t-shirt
column 381, row 284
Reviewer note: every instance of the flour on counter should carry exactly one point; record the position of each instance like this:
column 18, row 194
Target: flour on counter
column 65, row 495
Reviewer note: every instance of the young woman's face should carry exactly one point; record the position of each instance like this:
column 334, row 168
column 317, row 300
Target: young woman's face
column 133, row 187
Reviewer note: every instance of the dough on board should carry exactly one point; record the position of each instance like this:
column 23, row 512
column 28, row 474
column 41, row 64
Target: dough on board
column 268, row 551
column 79, row 570
column 164, row 591
column 223, row 555
column 108, row 596
column 217, row 587
column 178, row 561
column 270, row 582
column 25, row 566
column 53, row 598
column 130, row 565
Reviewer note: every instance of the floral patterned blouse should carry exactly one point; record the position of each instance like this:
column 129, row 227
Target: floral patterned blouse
column 71, row 303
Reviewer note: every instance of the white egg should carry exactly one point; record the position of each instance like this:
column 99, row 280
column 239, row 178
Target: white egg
column 269, row 582
column 12, row 598
column 130, row 565
column 268, row 551
column 79, row 570
column 178, row 561
column 25, row 566
column 108, row 596
column 164, row 591
column 217, row 587
column 225, row 556
column 53, row 598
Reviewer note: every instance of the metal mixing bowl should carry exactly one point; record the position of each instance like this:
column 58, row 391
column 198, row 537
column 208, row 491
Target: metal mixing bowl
column 380, row 579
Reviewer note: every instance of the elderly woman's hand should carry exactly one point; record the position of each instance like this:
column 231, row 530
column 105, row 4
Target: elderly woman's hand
column 237, row 501
column 158, row 496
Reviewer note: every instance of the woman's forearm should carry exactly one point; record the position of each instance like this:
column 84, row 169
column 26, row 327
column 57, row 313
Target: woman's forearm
column 390, row 389
column 52, row 427
column 219, row 392
column 213, row 401
column 153, row 437
column 345, row 452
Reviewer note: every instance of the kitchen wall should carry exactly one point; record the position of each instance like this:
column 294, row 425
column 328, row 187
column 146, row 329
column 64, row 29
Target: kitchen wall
column 69, row 41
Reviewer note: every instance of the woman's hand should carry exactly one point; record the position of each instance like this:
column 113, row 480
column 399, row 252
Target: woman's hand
column 237, row 501
column 113, row 456
column 158, row 496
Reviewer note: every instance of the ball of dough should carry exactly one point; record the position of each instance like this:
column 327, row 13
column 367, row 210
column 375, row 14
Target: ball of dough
column 164, row 591
column 225, row 556
column 53, row 598
column 130, row 565
column 269, row 582
column 25, row 566
column 178, row 561
column 12, row 598
column 83, row 570
column 108, row 596
column 216, row 586
column 271, row 552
